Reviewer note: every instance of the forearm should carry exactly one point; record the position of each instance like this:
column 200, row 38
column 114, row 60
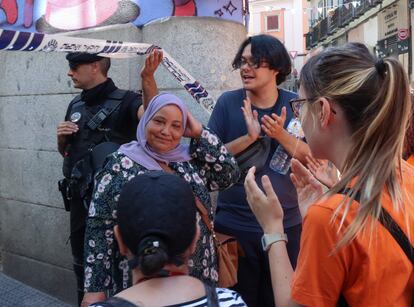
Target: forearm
column 294, row 147
column 61, row 144
column 281, row 271
column 238, row 145
column 149, row 88
column 216, row 165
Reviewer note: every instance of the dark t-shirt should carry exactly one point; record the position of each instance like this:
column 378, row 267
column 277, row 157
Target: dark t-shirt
column 228, row 123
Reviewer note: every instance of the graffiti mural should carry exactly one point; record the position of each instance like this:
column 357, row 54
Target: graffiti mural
column 53, row 16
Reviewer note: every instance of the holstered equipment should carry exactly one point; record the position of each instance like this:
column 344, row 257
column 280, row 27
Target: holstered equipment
column 81, row 160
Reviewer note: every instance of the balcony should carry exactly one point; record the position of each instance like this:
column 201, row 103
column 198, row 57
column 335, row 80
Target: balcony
column 347, row 13
column 315, row 35
column 338, row 18
column 373, row 3
column 308, row 40
column 333, row 23
column 323, row 29
column 362, row 7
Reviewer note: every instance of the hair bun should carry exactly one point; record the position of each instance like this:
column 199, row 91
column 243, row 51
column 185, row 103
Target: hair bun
column 151, row 255
column 149, row 245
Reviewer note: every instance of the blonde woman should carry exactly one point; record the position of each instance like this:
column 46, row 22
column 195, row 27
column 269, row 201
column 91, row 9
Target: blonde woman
column 354, row 111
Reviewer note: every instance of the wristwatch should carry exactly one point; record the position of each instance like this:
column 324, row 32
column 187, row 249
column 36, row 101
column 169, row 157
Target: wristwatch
column 269, row 239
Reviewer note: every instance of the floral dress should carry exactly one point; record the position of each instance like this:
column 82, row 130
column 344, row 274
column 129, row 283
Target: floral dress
column 211, row 168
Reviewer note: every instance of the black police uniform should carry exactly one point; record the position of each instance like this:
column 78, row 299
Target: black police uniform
column 119, row 127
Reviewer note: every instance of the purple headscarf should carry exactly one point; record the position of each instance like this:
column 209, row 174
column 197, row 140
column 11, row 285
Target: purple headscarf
column 140, row 151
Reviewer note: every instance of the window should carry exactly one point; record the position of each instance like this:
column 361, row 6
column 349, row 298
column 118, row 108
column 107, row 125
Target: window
column 272, row 23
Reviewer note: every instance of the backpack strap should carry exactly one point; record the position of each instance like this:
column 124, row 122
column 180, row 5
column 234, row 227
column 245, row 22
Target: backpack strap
column 394, row 229
column 211, row 294
column 113, row 102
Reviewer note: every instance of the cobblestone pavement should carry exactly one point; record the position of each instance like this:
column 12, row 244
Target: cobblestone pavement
column 16, row 294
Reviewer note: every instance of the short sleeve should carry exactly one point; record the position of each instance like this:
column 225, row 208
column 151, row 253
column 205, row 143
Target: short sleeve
column 321, row 270
column 229, row 298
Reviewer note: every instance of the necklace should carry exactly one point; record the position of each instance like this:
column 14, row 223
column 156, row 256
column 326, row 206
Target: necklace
column 163, row 273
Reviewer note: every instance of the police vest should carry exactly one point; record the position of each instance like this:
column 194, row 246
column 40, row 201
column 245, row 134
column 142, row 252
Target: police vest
column 86, row 138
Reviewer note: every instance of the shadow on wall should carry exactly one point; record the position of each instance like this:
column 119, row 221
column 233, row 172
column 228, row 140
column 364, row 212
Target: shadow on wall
column 52, row 16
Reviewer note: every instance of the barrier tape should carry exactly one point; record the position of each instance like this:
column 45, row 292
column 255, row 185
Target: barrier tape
column 28, row 41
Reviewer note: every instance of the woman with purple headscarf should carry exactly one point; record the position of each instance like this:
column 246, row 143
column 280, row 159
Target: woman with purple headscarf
column 205, row 164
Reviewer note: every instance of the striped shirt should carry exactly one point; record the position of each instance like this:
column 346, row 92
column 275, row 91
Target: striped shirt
column 226, row 298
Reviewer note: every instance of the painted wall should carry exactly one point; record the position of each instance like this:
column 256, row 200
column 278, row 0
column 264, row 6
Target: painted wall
column 51, row 16
column 280, row 32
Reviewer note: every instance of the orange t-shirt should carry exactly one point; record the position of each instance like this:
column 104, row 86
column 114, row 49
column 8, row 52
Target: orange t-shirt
column 376, row 274
column 411, row 160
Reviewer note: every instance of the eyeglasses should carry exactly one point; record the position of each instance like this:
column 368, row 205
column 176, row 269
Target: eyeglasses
column 297, row 104
column 251, row 64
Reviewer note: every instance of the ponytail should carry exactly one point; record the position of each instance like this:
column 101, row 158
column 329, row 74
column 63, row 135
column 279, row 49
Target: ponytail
column 374, row 97
column 377, row 148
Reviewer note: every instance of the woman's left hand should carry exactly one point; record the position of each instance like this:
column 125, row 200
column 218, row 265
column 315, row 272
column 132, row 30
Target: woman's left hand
column 273, row 126
column 323, row 170
column 308, row 188
column 265, row 206
column 194, row 128
column 152, row 61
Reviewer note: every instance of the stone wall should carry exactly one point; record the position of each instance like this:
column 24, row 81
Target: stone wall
column 34, row 94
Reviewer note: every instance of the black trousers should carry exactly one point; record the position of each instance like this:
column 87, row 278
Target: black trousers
column 254, row 280
column 78, row 216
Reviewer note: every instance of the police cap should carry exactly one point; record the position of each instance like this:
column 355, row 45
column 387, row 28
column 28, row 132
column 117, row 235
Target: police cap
column 77, row 58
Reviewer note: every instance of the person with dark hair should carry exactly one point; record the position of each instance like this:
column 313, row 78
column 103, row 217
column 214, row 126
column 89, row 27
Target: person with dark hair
column 357, row 239
column 205, row 164
column 264, row 64
column 100, row 113
column 157, row 231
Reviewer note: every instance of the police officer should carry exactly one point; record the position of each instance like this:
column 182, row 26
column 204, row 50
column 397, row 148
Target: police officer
column 101, row 113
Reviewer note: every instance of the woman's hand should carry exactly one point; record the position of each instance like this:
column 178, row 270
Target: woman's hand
column 194, row 128
column 308, row 188
column 151, row 64
column 265, row 206
column 273, row 126
column 252, row 120
column 323, row 170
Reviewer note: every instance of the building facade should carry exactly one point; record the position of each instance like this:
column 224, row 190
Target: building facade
column 383, row 25
column 287, row 20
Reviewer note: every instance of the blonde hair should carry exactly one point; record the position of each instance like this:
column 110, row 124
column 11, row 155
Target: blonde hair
column 374, row 96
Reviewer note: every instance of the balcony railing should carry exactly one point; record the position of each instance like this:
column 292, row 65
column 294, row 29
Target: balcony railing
column 315, row 35
column 373, row 3
column 347, row 13
column 334, row 22
column 323, row 29
column 308, row 38
column 362, row 7
column 339, row 18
